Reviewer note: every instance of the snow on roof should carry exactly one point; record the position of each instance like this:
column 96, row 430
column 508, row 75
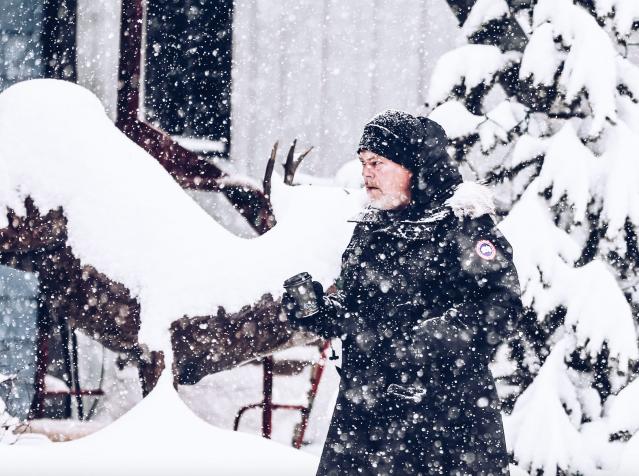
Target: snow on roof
column 130, row 220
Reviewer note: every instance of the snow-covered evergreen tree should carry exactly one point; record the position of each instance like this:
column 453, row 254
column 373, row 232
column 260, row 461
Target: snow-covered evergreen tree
column 559, row 143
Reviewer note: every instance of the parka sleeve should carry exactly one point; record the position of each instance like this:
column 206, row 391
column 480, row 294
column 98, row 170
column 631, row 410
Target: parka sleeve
column 327, row 322
column 334, row 319
column 481, row 291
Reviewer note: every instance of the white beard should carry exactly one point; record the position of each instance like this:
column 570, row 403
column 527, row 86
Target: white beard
column 388, row 202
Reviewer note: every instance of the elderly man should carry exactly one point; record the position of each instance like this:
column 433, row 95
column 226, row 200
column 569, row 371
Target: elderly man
column 426, row 292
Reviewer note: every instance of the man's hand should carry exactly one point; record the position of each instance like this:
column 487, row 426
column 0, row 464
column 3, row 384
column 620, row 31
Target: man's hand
column 292, row 310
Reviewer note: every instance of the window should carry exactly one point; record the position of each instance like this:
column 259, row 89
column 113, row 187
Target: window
column 188, row 68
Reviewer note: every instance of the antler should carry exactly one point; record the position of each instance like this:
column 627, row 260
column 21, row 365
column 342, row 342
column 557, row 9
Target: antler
column 268, row 174
column 290, row 166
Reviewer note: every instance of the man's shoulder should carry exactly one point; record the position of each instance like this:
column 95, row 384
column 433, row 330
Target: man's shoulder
column 474, row 226
column 479, row 244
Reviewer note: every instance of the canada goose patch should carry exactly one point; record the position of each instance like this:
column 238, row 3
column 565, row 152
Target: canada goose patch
column 485, row 249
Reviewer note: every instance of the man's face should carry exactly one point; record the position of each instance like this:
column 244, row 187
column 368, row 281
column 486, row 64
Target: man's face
column 387, row 183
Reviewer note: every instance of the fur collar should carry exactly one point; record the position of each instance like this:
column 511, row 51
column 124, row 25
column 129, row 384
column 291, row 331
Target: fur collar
column 471, row 199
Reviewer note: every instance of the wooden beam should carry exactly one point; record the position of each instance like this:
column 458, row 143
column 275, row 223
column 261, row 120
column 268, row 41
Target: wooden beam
column 186, row 167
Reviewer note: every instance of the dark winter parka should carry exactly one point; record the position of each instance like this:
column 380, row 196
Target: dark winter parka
column 424, row 297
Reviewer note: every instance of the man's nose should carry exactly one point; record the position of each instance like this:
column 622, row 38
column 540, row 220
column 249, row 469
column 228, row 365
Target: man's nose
column 367, row 171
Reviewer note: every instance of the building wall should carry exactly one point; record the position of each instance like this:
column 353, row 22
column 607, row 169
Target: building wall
column 98, row 39
column 18, row 320
column 317, row 70
column 20, row 45
column 306, row 69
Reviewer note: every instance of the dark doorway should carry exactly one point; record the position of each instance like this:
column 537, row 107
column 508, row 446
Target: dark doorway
column 188, row 68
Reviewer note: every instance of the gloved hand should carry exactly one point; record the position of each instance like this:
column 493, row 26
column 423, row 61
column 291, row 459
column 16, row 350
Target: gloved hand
column 292, row 310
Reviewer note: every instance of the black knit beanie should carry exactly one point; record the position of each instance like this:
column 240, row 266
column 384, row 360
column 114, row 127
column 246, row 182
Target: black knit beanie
column 418, row 144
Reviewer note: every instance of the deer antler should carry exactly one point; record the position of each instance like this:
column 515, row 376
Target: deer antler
column 291, row 164
column 268, row 173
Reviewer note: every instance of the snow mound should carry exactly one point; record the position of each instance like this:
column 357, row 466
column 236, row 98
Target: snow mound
column 130, row 220
column 541, row 58
column 625, row 12
column 160, row 436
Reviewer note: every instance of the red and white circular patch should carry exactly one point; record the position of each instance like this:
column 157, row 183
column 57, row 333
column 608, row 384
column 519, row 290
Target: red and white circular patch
column 485, row 249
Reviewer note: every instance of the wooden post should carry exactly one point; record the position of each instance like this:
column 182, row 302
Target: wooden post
column 129, row 67
column 267, row 407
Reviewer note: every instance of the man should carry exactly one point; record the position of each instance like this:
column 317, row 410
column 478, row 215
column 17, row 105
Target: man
column 426, row 292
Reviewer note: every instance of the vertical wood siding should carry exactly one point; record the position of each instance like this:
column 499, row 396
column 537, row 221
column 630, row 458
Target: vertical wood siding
column 317, row 70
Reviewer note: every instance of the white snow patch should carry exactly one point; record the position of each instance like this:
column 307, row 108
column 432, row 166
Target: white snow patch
column 159, row 436
column 625, row 13
column 621, row 410
column 628, row 75
column 629, row 459
column 600, row 313
column 590, row 64
column 541, row 58
column 500, row 121
column 471, row 65
column 539, row 432
column 569, row 168
column 617, row 186
column 527, row 148
column 457, row 121
column 484, row 11
column 596, row 307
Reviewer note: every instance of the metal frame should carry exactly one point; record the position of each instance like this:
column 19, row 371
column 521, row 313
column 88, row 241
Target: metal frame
column 70, row 347
column 268, row 406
